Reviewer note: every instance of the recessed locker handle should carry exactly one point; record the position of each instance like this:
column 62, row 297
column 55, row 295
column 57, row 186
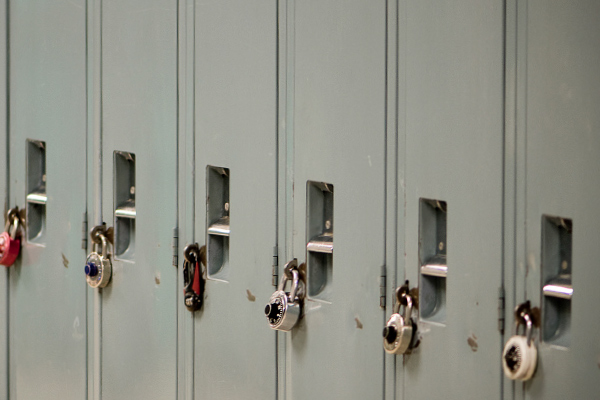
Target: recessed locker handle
column 560, row 287
column 126, row 209
column 221, row 227
column 436, row 266
column 321, row 243
column 38, row 197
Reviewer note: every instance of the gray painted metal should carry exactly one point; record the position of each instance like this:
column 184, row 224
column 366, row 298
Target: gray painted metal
column 4, row 198
column 185, row 191
column 236, row 128
column 139, row 115
column 339, row 132
column 557, row 70
column 47, row 291
column 451, row 67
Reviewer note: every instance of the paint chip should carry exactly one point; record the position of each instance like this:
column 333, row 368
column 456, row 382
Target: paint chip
column 472, row 341
column 250, row 296
column 359, row 324
column 65, row 261
column 157, row 279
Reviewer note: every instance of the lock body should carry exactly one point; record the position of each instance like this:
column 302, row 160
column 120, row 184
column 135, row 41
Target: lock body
column 9, row 249
column 281, row 313
column 397, row 334
column 193, row 276
column 284, row 309
column 519, row 359
column 98, row 270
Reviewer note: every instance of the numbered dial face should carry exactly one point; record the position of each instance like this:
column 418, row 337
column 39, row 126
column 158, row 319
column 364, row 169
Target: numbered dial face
column 275, row 310
column 513, row 358
column 98, row 270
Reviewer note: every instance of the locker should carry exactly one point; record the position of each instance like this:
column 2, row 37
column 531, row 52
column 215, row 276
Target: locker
column 4, row 194
column 235, row 192
column 451, row 157
column 133, row 74
column 557, row 95
column 46, row 295
column 336, row 116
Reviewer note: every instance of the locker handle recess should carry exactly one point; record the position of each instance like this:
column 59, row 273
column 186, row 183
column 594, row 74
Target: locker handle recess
column 321, row 244
column 436, row 266
column 220, row 228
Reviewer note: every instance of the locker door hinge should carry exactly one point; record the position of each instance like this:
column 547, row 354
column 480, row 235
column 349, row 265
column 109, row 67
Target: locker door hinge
column 84, row 230
column 501, row 305
column 275, row 278
column 175, row 246
column 382, row 286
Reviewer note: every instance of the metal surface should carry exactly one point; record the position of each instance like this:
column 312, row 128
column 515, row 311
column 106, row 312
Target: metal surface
column 321, row 244
column 37, row 198
column 451, row 66
column 435, row 267
column 558, row 93
column 47, row 291
column 560, row 290
column 139, row 116
column 337, row 93
column 220, row 228
column 235, row 88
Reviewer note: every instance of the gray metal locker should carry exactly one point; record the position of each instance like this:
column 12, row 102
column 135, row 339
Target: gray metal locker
column 4, row 194
column 336, row 52
column 555, row 83
column 235, row 130
column 133, row 79
column 47, row 142
column 451, row 157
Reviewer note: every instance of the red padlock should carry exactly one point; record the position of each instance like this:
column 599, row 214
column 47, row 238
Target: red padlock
column 10, row 244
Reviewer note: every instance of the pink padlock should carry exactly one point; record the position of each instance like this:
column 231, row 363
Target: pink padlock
column 10, row 244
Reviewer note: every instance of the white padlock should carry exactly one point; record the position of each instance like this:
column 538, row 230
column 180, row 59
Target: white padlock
column 519, row 358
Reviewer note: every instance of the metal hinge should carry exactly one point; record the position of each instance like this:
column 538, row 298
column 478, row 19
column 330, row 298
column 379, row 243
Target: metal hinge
column 501, row 305
column 382, row 286
column 275, row 278
column 84, row 232
column 175, row 246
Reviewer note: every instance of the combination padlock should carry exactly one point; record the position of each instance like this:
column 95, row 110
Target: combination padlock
column 98, row 267
column 10, row 241
column 193, row 276
column 400, row 329
column 284, row 309
column 519, row 358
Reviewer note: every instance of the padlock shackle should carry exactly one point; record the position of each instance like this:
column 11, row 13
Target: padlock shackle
column 14, row 227
column 104, row 242
column 295, row 280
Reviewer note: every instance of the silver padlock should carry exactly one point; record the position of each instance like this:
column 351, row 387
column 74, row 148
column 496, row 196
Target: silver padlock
column 519, row 358
column 98, row 267
column 284, row 309
column 399, row 329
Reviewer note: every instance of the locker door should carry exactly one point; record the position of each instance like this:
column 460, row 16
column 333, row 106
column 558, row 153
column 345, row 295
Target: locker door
column 235, row 166
column 559, row 221
column 47, row 146
column 338, row 93
column 451, row 61
column 4, row 194
column 139, row 164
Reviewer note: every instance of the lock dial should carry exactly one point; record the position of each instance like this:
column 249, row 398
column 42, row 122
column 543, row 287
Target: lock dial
column 275, row 309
